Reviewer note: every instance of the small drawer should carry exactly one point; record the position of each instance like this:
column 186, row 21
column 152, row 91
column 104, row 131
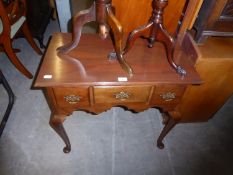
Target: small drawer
column 166, row 94
column 71, row 96
column 121, row 94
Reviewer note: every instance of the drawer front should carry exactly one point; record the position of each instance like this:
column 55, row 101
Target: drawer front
column 167, row 94
column 121, row 94
column 71, row 96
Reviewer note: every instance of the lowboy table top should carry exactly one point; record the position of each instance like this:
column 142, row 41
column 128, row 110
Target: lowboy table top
column 89, row 65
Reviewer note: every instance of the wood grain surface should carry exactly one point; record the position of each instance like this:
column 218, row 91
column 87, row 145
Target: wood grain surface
column 133, row 14
column 215, row 66
column 88, row 64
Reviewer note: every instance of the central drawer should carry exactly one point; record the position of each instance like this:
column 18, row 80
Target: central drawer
column 119, row 94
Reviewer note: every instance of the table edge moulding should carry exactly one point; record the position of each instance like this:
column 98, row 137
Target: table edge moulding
column 86, row 80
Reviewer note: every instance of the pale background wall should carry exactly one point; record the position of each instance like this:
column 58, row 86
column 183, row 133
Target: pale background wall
column 64, row 14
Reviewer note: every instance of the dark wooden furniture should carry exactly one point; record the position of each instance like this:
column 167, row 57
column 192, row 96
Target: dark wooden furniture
column 157, row 33
column 131, row 15
column 84, row 80
column 215, row 19
column 101, row 11
column 214, row 63
column 13, row 20
column 38, row 16
column 7, row 87
column 213, row 59
column 39, row 13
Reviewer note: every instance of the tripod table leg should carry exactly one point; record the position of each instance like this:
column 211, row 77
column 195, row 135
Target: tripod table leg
column 141, row 31
column 164, row 37
column 79, row 21
column 118, row 39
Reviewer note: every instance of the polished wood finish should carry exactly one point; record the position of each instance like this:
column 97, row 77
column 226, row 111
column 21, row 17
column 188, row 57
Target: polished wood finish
column 157, row 33
column 78, row 64
column 214, row 63
column 119, row 94
column 9, row 15
column 85, row 80
column 82, row 92
column 132, row 15
column 161, row 94
column 188, row 17
column 98, row 12
column 101, row 11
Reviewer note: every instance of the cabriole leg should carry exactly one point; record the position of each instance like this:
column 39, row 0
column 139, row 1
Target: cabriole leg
column 167, row 128
column 56, row 122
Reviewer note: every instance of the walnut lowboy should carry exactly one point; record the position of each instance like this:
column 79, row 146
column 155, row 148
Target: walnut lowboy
column 97, row 99
column 90, row 82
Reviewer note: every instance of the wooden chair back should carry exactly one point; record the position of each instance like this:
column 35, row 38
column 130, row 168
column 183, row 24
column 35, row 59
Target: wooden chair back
column 10, row 13
column 13, row 20
column 4, row 22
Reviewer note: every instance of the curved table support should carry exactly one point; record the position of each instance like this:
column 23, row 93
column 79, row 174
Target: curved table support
column 60, row 113
column 141, row 31
column 163, row 36
column 79, row 21
column 157, row 33
column 117, row 31
column 101, row 12
column 169, row 122
column 56, row 122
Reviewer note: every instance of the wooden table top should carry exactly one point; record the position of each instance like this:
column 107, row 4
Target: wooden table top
column 88, row 65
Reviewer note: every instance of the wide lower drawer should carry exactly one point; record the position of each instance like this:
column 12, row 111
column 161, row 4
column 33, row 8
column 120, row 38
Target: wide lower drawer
column 121, row 94
column 72, row 96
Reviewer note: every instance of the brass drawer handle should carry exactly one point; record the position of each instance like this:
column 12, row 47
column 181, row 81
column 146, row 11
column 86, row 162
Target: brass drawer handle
column 122, row 95
column 169, row 96
column 72, row 99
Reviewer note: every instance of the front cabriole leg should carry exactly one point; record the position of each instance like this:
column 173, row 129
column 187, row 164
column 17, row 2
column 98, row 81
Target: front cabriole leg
column 171, row 123
column 56, row 122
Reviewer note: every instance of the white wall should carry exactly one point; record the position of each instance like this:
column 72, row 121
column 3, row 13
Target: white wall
column 64, row 14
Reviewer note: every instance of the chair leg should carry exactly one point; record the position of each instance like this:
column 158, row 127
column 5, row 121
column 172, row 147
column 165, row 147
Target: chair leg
column 14, row 59
column 10, row 104
column 29, row 38
column 15, row 50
